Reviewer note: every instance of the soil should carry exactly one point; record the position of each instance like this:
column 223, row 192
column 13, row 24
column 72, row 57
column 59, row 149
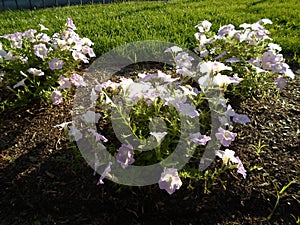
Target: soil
column 44, row 179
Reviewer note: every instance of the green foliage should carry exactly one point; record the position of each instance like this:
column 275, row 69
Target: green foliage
column 279, row 194
column 258, row 148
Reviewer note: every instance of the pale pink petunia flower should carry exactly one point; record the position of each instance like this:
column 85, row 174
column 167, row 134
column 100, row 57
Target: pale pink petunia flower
column 187, row 109
column 20, row 83
column 280, row 83
column 105, row 173
column 90, row 117
column 70, row 24
column 227, row 156
column 241, row 118
column 35, row 72
column 199, row 138
column 241, row 169
column 56, row 97
column 173, row 49
column 204, row 26
column 125, row 155
column 43, row 27
column 77, row 80
column 88, row 50
column 55, row 64
column 64, row 82
column 170, row 180
column 43, row 38
column 98, row 136
column 159, row 136
column 40, row 50
column 79, row 56
column 225, row 136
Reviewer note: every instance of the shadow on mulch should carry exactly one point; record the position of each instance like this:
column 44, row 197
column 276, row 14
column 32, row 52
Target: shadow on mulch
column 44, row 179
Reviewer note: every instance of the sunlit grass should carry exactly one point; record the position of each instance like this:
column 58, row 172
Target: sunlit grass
column 112, row 25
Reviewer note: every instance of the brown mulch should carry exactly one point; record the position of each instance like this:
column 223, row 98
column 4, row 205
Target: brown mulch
column 44, row 179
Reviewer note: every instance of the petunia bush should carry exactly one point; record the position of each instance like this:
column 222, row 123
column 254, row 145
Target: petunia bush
column 38, row 64
column 249, row 51
column 149, row 110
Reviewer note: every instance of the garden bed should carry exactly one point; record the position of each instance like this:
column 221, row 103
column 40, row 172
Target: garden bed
column 233, row 91
column 44, row 179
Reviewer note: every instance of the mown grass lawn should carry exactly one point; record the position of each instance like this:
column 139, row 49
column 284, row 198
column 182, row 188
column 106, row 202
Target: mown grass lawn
column 111, row 25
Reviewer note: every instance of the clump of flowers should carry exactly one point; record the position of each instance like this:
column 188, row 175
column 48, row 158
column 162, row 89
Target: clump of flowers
column 249, row 51
column 154, row 113
column 36, row 63
column 170, row 99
